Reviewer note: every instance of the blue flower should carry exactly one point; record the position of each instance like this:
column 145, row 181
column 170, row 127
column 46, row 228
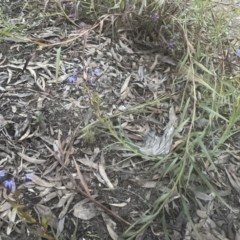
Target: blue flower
column 73, row 77
column 9, row 184
column 238, row 52
column 96, row 71
column 154, row 16
column 73, row 15
column 171, row 44
column 28, row 176
column 90, row 82
column 2, row 173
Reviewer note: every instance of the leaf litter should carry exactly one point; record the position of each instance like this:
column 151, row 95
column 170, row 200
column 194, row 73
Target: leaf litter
column 72, row 183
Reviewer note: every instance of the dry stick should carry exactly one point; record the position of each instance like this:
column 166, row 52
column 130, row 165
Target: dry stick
column 84, row 186
column 69, row 146
column 82, row 180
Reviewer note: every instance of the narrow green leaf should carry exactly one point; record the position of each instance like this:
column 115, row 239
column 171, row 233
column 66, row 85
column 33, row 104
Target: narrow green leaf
column 212, row 112
column 203, row 68
column 165, row 227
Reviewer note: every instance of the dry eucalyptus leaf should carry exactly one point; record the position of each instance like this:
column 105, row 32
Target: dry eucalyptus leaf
column 31, row 159
column 88, row 163
column 47, row 139
column 60, row 226
column 66, row 207
column 41, row 182
column 150, row 184
column 5, row 206
column 22, row 127
column 210, row 223
column 125, row 84
column 111, row 225
column 118, row 204
column 26, row 134
column 156, row 145
column 10, row 74
column 33, row 73
column 126, row 48
column 235, row 184
column 115, row 56
column 85, row 210
column 48, row 197
column 11, row 216
column 63, row 199
column 204, row 196
column 202, row 214
column 3, row 122
column 103, row 174
column 46, row 211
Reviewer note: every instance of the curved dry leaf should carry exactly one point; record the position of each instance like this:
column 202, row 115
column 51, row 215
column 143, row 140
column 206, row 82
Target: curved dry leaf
column 111, row 225
column 25, row 135
column 136, row 128
column 5, row 206
column 45, row 192
column 202, row 214
column 21, row 127
column 154, row 63
column 237, row 237
column 204, row 196
column 63, row 200
column 155, row 145
column 88, row 163
column 40, row 83
column 11, row 216
column 31, row 159
column 10, row 74
column 33, row 73
column 3, row 122
column 60, row 226
column 48, row 197
column 150, row 184
column 211, row 223
column 65, row 209
column 126, row 48
column 125, row 84
column 115, row 56
column 173, row 119
column 47, row 139
column 42, row 182
column 85, row 210
column 235, row 184
column 118, row 204
column 103, row 174
column 46, row 211
column 36, row 131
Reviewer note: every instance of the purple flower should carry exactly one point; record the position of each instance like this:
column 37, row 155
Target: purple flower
column 2, row 173
column 154, row 16
column 171, row 44
column 73, row 78
column 9, row 184
column 238, row 52
column 90, row 82
column 28, row 176
column 131, row 7
column 96, row 71
column 73, row 15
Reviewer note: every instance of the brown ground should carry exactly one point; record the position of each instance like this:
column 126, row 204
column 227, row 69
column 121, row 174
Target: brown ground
column 55, row 109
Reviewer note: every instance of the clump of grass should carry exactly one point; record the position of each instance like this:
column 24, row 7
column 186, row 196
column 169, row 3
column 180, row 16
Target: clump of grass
column 89, row 136
column 200, row 36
